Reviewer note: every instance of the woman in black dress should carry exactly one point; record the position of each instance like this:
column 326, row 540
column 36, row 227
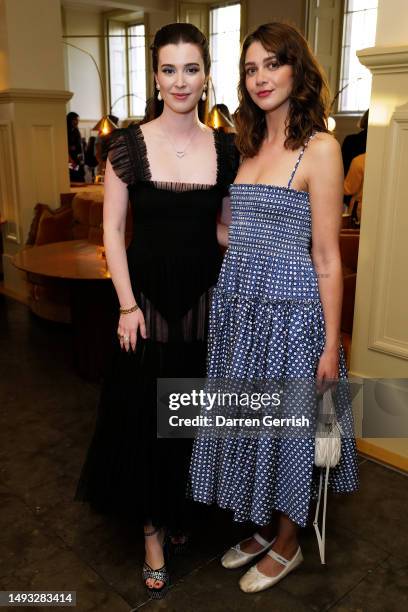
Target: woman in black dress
column 175, row 172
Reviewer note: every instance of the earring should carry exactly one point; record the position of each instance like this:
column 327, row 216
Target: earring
column 159, row 96
column 204, row 95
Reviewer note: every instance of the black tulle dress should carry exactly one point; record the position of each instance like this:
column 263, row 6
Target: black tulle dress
column 173, row 260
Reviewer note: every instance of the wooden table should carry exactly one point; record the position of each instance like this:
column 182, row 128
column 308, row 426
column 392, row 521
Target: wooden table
column 87, row 187
column 72, row 259
column 78, row 265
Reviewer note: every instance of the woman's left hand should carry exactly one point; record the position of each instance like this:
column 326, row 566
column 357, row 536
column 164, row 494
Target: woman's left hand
column 328, row 370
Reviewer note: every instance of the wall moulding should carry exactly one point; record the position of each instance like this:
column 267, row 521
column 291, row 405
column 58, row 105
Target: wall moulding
column 8, row 184
column 43, row 156
column 34, row 95
column 387, row 333
column 384, row 60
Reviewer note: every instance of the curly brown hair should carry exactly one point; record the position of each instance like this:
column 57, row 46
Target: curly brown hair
column 309, row 99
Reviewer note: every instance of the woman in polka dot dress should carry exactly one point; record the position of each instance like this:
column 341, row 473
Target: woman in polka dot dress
column 276, row 308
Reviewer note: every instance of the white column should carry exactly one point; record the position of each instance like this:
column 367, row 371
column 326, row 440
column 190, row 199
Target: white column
column 392, row 23
column 380, row 333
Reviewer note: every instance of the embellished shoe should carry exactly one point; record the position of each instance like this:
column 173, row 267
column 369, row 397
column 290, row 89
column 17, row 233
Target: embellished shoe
column 161, row 573
column 235, row 557
column 254, row 581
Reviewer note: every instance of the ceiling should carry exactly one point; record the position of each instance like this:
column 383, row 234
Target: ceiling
column 100, row 6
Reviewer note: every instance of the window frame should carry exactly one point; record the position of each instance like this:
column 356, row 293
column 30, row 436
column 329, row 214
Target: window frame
column 243, row 18
column 307, row 23
column 128, row 98
column 336, row 109
column 244, row 14
column 127, row 25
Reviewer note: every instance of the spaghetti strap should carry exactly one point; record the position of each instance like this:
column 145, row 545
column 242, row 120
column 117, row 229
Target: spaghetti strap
column 312, row 135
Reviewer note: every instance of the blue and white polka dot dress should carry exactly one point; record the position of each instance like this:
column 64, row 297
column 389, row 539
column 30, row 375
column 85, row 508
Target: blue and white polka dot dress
column 267, row 322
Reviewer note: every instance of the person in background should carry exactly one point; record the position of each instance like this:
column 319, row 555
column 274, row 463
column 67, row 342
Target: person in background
column 75, row 149
column 91, row 162
column 355, row 144
column 223, row 112
column 353, row 187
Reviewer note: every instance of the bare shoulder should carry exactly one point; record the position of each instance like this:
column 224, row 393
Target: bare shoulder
column 149, row 128
column 324, row 158
column 206, row 135
column 325, row 166
column 324, row 144
column 205, row 128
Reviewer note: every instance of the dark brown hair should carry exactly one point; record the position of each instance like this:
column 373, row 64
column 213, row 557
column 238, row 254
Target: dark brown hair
column 309, row 99
column 173, row 34
column 363, row 122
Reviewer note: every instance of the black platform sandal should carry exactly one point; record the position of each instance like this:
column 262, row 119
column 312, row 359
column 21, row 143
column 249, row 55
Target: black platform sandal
column 161, row 574
column 179, row 548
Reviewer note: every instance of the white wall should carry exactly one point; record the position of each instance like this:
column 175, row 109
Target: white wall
column 380, row 333
column 158, row 19
column 81, row 74
column 19, row 67
column 261, row 11
column 392, row 24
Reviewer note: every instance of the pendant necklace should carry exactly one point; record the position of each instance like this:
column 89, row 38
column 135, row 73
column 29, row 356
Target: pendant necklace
column 181, row 153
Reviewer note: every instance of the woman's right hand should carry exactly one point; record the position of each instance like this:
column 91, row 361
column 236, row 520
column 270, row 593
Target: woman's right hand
column 127, row 329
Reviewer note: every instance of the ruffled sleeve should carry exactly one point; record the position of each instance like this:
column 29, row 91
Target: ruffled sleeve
column 116, row 149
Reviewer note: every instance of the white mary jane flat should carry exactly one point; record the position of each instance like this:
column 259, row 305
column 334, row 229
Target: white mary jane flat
column 235, row 557
column 254, row 581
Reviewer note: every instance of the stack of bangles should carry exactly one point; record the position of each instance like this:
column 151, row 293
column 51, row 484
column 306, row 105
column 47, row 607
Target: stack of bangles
column 123, row 311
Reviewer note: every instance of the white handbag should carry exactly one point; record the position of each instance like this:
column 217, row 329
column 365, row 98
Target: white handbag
column 327, row 455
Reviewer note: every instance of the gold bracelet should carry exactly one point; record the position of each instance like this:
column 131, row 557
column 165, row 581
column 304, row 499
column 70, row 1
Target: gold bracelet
column 128, row 310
